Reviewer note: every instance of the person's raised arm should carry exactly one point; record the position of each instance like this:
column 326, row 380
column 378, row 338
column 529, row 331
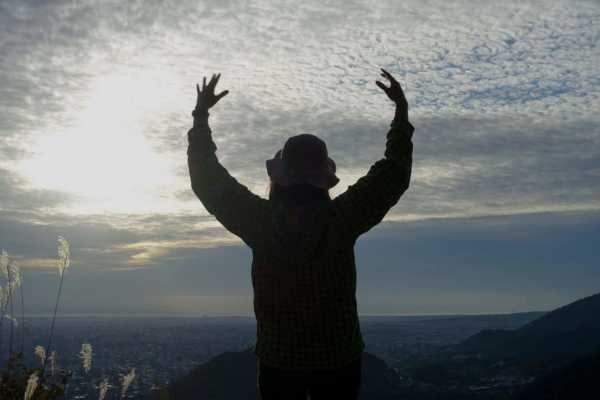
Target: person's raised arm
column 233, row 205
column 364, row 204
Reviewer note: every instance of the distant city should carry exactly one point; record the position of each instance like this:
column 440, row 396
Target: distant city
column 163, row 349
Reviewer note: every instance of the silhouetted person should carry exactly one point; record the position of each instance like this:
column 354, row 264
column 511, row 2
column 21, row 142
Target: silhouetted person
column 303, row 269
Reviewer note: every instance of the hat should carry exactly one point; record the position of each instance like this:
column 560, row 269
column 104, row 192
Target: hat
column 303, row 159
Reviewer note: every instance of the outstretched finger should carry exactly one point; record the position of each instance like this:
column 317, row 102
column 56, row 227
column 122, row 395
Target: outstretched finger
column 382, row 86
column 222, row 94
column 213, row 82
column 198, row 89
column 210, row 85
column 217, row 77
column 204, row 84
column 388, row 75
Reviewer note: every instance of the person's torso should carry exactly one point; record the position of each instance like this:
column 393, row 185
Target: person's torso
column 304, row 281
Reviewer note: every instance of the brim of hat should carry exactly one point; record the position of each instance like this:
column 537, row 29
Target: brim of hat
column 325, row 178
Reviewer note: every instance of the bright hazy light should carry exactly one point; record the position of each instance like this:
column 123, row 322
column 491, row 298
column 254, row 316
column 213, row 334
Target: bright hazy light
column 104, row 158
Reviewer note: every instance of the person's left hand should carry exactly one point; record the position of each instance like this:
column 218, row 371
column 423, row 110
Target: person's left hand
column 206, row 97
column 395, row 93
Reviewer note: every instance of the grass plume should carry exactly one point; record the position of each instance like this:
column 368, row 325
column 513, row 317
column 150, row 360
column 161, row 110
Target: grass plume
column 103, row 389
column 32, row 384
column 40, row 352
column 12, row 275
column 86, row 356
column 64, row 261
column 126, row 382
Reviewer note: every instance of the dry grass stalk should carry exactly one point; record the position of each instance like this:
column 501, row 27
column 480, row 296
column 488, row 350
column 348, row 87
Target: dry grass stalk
column 32, row 384
column 127, row 379
column 86, row 356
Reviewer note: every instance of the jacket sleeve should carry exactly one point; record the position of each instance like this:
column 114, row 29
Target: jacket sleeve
column 233, row 204
column 364, row 204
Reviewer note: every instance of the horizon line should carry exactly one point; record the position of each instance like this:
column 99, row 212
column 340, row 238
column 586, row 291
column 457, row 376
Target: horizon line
column 199, row 316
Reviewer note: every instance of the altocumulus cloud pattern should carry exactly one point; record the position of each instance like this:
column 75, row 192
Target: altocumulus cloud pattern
column 96, row 99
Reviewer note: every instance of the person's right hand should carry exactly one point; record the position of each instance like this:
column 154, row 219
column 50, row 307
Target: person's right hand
column 394, row 92
column 206, row 97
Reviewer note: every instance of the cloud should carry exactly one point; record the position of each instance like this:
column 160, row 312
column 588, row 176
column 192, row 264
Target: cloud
column 15, row 194
column 307, row 68
column 487, row 264
column 26, row 236
column 497, row 264
column 468, row 165
column 503, row 97
column 146, row 253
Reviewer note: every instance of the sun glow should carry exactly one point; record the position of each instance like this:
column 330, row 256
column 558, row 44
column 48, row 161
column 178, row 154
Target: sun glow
column 104, row 158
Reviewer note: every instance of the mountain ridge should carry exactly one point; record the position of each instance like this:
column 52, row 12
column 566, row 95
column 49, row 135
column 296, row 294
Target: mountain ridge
column 570, row 330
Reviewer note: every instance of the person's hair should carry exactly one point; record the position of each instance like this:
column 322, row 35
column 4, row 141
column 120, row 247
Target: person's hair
column 297, row 195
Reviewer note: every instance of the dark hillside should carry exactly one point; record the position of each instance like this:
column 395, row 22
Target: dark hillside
column 232, row 375
column 578, row 380
column 568, row 331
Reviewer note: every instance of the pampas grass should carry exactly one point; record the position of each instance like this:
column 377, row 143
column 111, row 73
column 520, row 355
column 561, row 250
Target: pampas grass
column 86, row 356
column 103, row 388
column 126, row 381
column 12, row 274
column 63, row 262
column 14, row 281
column 52, row 359
column 40, row 352
column 5, row 293
column 17, row 380
column 32, row 384
column 64, row 255
column 4, row 262
column 38, row 381
column 22, row 348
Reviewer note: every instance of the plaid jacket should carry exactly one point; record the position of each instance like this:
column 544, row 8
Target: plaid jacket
column 304, row 279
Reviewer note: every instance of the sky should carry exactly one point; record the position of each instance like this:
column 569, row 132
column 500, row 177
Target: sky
column 503, row 211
